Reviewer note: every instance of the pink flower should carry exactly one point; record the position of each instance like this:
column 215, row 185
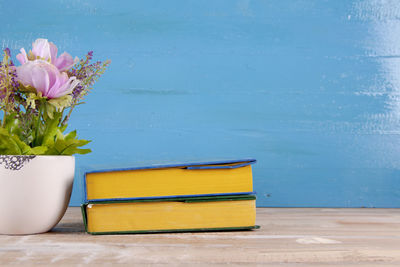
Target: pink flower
column 45, row 50
column 46, row 78
column 22, row 58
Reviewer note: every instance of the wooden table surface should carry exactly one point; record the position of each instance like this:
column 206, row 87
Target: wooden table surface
column 288, row 236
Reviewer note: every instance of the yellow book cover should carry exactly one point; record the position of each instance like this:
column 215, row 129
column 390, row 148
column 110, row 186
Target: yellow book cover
column 235, row 212
column 187, row 179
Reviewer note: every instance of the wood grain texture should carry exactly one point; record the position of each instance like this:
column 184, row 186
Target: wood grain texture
column 288, row 237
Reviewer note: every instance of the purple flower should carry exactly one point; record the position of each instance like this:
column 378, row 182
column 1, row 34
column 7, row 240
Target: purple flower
column 46, row 78
column 7, row 51
column 45, row 50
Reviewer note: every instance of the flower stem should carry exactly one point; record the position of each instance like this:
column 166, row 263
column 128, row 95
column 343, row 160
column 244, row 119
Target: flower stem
column 65, row 120
column 3, row 123
column 35, row 143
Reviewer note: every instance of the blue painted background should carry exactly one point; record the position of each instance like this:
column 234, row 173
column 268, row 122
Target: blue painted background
column 309, row 88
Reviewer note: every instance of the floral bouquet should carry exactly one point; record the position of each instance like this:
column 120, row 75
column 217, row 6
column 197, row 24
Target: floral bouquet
column 38, row 97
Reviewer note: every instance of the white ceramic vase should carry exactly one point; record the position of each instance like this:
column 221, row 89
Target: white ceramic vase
column 34, row 192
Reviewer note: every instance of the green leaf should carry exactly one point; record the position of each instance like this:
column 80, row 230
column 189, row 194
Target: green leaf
column 68, row 146
column 7, row 145
column 24, row 149
column 63, row 128
column 39, row 150
column 71, row 135
column 55, row 143
column 12, row 124
column 49, row 110
column 61, row 102
column 51, row 130
column 59, row 135
column 74, row 150
column 10, row 144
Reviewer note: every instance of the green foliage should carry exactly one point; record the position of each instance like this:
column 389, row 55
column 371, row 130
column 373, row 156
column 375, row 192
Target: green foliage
column 47, row 139
column 32, row 123
column 61, row 102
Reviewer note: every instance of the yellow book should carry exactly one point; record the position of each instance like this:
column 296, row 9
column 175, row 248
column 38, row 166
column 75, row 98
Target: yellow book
column 188, row 179
column 171, row 215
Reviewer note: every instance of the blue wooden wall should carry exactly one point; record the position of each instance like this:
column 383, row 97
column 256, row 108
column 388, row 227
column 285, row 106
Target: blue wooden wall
column 309, row 88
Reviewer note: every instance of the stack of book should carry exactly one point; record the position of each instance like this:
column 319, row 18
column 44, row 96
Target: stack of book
column 203, row 196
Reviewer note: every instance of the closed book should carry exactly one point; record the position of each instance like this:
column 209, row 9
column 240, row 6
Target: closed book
column 170, row 180
column 236, row 212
